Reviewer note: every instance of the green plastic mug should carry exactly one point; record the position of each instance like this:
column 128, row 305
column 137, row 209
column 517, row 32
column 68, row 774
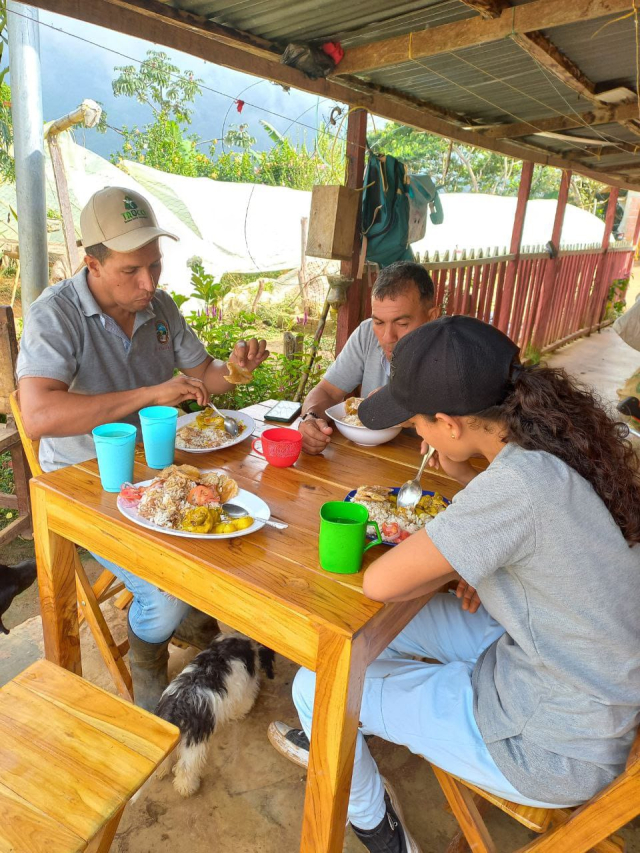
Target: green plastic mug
column 343, row 529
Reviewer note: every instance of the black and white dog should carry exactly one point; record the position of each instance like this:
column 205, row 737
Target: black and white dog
column 219, row 685
column 13, row 581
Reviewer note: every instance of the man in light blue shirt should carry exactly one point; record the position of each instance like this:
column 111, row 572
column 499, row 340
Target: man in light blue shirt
column 402, row 299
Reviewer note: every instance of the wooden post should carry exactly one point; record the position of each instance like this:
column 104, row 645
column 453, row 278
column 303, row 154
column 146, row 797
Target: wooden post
column 62, row 188
column 601, row 288
column 349, row 314
column 545, row 302
column 302, row 272
column 506, row 298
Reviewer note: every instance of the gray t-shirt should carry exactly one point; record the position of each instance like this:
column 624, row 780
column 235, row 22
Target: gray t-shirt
column 67, row 337
column 360, row 362
column 557, row 697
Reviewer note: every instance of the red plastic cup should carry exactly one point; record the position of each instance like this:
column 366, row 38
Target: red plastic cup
column 280, row 447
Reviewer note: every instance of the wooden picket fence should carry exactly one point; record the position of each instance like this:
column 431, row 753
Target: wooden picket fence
column 546, row 301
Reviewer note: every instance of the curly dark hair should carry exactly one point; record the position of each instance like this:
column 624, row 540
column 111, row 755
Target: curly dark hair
column 547, row 410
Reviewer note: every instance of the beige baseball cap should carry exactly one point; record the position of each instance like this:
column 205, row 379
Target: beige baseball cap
column 121, row 219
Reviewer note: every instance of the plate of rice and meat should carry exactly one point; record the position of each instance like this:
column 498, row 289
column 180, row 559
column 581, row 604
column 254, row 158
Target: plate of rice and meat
column 397, row 523
column 202, row 432
column 183, row 501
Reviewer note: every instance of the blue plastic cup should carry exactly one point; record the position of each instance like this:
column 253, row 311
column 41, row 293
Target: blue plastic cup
column 115, row 448
column 159, row 424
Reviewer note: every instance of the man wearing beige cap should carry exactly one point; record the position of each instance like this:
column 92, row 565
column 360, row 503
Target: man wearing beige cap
column 99, row 347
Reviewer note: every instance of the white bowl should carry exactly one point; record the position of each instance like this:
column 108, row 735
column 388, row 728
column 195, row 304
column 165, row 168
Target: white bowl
column 360, row 434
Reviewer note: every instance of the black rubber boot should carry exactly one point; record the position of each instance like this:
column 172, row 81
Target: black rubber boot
column 196, row 629
column 148, row 662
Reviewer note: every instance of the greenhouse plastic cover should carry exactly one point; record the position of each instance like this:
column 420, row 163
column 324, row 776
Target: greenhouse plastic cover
column 247, row 228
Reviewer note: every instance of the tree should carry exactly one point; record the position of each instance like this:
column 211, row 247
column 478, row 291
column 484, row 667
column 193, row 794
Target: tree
column 160, row 85
column 163, row 143
column 463, row 168
column 7, row 165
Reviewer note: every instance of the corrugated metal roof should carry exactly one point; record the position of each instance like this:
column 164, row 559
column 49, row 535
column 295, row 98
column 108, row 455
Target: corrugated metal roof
column 498, row 82
column 603, row 50
column 355, row 22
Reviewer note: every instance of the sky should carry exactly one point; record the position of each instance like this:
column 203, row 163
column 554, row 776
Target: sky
column 77, row 61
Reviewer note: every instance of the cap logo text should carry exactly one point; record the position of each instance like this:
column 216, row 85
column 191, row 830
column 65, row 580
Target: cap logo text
column 132, row 211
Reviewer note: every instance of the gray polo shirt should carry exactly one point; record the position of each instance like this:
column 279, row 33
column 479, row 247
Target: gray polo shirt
column 67, row 337
column 557, row 697
column 361, row 362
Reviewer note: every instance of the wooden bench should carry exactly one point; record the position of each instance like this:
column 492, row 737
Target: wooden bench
column 71, row 757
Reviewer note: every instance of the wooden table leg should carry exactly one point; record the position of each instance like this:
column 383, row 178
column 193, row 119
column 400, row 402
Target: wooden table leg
column 339, row 683
column 57, row 585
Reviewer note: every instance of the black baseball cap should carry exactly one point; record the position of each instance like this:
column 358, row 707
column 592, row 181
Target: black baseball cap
column 456, row 365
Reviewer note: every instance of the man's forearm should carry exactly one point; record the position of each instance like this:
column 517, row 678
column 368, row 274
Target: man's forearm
column 318, row 401
column 213, row 377
column 63, row 413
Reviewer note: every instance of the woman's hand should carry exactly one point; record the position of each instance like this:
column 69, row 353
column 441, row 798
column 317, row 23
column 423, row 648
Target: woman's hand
column 463, row 472
column 470, row 598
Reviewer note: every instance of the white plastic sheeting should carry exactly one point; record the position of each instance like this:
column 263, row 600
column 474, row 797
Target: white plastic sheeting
column 479, row 221
column 251, row 228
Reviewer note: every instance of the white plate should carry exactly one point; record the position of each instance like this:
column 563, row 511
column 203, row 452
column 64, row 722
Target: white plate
column 247, row 420
column 254, row 505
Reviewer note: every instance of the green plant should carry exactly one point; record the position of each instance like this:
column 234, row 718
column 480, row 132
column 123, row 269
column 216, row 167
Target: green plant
column 276, row 378
column 532, row 355
column 616, row 298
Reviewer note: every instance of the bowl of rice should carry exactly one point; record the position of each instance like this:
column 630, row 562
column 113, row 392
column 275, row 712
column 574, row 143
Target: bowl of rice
column 345, row 416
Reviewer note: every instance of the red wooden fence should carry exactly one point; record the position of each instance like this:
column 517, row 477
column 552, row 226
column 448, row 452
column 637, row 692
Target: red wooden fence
column 583, row 276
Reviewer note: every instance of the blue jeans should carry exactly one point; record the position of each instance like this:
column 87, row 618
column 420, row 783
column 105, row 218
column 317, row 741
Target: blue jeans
column 154, row 615
column 425, row 707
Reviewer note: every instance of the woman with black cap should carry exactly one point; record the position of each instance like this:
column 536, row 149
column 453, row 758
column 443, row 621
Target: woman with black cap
column 537, row 696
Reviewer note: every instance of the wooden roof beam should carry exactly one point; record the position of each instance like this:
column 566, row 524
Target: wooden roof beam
column 547, row 55
column 192, row 34
column 515, row 21
column 541, row 49
column 601, row 115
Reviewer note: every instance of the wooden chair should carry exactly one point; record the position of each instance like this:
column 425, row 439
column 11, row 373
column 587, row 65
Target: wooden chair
column 89, row 597
column 71, row 757
column 9, row 436
column 587, row 827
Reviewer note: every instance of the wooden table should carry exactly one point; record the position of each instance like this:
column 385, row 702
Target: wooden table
column 269, row 585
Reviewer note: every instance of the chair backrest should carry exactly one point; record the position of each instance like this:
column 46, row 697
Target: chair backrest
column 8, row 357
column 31, row 448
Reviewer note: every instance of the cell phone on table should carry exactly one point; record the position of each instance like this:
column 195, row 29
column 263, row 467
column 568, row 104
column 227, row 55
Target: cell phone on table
column 284, row 412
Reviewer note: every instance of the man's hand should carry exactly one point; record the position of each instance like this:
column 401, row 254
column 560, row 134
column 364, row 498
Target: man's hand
column 178, row 389
column 316, row 435
column 470, row 598
column 249, row 354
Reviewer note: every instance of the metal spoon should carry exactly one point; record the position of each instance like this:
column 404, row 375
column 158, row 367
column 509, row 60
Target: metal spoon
column 231, row 425
column 235, row 511
column 411, row 492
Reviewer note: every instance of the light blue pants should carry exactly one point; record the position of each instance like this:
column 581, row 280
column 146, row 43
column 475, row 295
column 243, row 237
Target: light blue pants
column 425, row 707
column 154, row 615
